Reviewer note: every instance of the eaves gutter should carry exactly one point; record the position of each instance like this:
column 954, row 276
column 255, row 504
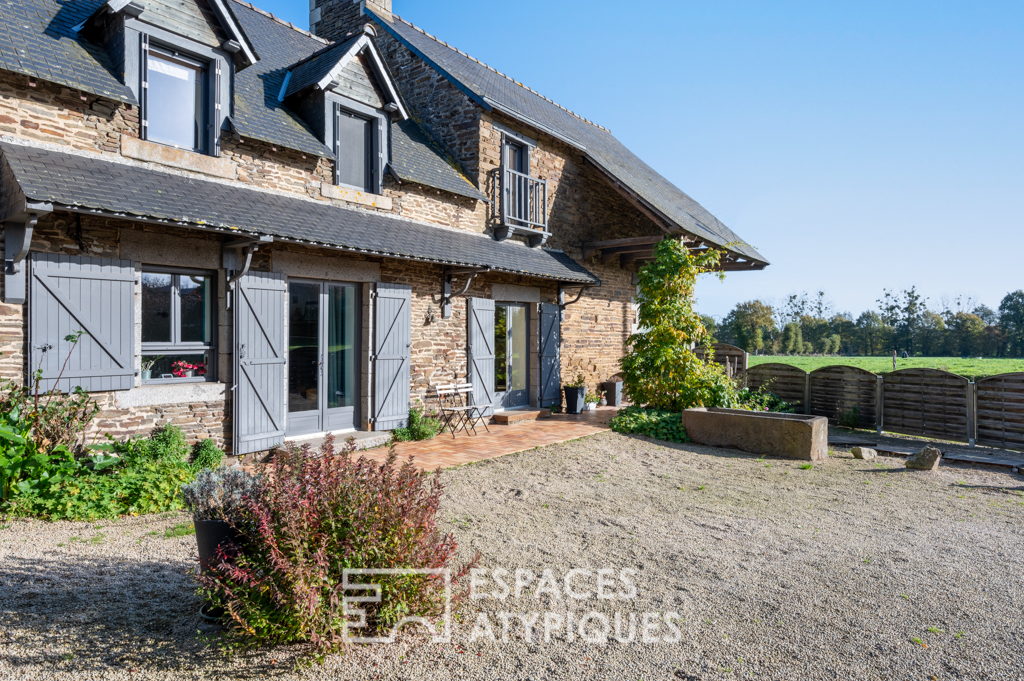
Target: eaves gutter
column 221, row 229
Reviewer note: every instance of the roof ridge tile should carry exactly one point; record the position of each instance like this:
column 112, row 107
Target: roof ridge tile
column 506, row 77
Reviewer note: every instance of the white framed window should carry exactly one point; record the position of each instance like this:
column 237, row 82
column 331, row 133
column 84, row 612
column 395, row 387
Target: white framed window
column 178, row 325
column 177, row 102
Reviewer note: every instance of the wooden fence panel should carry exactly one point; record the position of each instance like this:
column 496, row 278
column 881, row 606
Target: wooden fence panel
column 1000, row 410
column 788, row 382
column 926, row 402
column 836, row 390
column 733, row 358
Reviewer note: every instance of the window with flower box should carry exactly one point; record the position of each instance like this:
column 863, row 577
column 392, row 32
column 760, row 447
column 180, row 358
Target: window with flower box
column 178, row 326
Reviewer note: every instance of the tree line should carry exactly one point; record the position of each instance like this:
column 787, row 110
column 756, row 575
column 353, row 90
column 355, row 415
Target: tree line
column 902, row 322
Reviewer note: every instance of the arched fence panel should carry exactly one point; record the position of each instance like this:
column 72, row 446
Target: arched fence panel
column 927, row 402
column 788, row 382
column 842, row 390
column 1000, row 409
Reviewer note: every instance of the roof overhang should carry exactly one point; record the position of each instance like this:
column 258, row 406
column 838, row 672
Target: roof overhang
column 640, row 250
column 82, row 183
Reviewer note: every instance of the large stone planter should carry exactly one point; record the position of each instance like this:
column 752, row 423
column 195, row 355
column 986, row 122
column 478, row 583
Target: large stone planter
column 793, row 436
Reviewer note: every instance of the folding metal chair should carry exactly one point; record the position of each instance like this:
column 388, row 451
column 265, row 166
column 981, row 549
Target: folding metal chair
column 475, row 413
column 452, row 413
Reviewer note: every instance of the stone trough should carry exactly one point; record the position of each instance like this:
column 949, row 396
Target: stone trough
column 792, row 436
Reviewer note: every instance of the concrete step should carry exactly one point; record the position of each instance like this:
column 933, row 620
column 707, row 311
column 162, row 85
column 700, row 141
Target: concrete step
column 507, row 418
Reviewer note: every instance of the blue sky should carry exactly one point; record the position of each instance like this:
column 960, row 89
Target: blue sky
column 857, row 145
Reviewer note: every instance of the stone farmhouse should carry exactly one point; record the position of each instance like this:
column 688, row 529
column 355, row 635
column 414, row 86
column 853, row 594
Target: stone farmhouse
column 269, row 233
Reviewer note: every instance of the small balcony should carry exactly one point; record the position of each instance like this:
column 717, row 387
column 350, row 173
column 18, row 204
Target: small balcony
column 524, row 207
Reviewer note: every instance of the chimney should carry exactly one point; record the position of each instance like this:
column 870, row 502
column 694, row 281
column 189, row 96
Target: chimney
column 337, row 19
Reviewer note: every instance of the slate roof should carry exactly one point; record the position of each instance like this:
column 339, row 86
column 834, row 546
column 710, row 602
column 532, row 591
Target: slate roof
column 71, row 180
column 312, row 69
column 415, row 159
column 494, row 90
column 258, row 114
column 36, row 39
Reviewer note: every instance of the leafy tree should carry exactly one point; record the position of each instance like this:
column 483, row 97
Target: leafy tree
column 932, row 334
column 792, row 339
column 661, row 369
column 712, row 327
column 871, row 333
column 903, row 312
column 965, row 333
column 987, row 314
column 749, row 323
column 1011, row 320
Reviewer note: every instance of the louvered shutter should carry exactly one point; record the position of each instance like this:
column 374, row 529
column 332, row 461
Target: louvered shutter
column 481, row 351
column 95, row 295
column 549, row 356
column 392, row 342
column 259, row 362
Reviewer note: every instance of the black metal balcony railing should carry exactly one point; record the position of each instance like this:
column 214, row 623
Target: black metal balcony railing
column 524, row 204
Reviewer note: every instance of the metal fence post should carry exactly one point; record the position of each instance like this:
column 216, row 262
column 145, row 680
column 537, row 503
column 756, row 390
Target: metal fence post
column 879, row 403
column 972, row 413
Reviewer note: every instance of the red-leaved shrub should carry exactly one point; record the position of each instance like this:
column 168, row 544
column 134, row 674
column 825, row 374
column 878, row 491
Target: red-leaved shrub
column 321, row 511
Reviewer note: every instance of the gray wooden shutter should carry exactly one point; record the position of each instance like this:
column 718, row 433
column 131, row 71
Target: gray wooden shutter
column 481, row 351
column 259, row 362
column 392, row 340
column 549, row 356
column 69, row 294
column 144, row 86
column 95, row 295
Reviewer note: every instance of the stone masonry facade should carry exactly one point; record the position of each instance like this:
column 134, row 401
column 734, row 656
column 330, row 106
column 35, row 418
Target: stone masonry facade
column 582, row 207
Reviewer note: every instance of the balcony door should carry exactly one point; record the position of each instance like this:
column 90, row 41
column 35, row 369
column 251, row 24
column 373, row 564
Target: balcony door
column 511, row 365
column 323, row 357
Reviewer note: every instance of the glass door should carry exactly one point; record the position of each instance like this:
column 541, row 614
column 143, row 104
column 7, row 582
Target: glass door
column 323, row 333
column 511, row 369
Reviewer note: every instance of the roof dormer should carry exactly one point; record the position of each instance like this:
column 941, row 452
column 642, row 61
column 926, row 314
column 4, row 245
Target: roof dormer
column 352, row 69
column 206, row 22
column 346, row 94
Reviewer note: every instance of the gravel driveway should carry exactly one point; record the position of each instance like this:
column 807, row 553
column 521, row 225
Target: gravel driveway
column 847, row 570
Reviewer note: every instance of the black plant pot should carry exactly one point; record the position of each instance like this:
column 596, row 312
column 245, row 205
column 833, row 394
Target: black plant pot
column 574, row 399
column 613, row 393
column 211, row 534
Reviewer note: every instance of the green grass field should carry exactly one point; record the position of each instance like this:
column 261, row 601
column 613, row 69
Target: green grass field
column 971, row 368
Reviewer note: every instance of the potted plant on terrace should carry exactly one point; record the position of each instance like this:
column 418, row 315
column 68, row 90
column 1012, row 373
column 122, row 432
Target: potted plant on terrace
column 591, row 400
column 575, row 393
column 216, row 499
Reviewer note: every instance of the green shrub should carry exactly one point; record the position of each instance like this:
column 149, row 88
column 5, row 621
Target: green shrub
column 661, row 369
column 318, row 513
column 850, row 418
column 149, row 487
column 47, row 471
column 656, row 423
column 206, row 455
column 763, row 400
column 167, row 443
column 421, row 427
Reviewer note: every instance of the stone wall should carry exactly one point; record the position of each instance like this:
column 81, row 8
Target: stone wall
column 53, row 114
column 445, row 111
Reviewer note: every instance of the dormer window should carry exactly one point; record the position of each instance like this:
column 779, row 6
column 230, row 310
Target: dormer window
column 177, row 100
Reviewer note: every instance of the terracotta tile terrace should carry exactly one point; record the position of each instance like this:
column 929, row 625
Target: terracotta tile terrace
column 446, row 451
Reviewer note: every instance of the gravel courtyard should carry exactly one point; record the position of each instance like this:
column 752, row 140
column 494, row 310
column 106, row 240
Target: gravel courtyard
column 847, row 570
